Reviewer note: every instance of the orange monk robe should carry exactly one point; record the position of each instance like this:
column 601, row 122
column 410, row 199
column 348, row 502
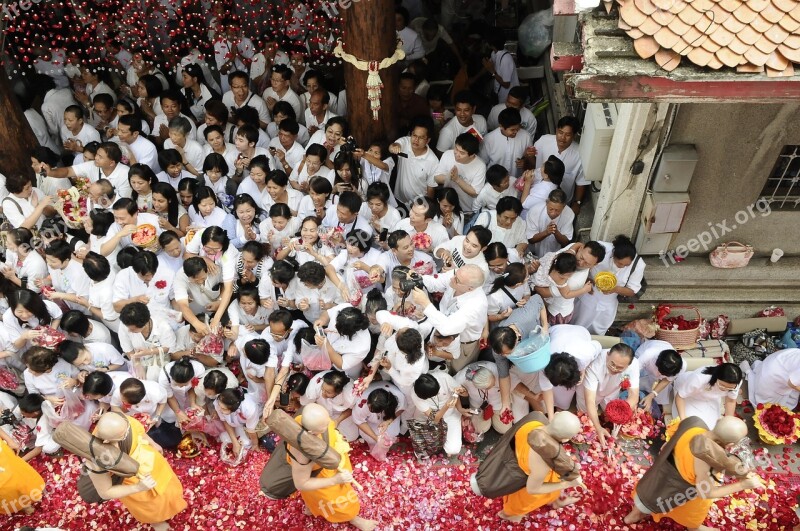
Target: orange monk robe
column 20, row 485
column 694, row 512
column 521, row 502
column 166, row 499
column 338, row 503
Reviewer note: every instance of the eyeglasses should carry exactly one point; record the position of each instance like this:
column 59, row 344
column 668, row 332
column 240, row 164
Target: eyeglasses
column 614, row 367
column 279, row 336
column 726, row 389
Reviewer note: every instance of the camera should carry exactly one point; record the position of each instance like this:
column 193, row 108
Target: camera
column 7, row 417
column 349, row 145
column 413, row 280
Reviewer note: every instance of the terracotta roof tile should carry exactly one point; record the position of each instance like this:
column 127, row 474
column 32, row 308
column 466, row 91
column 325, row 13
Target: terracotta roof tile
column 751, row 36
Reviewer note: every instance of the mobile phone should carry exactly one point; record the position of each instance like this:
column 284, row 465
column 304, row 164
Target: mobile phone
column 320, row 331
column 284, row 398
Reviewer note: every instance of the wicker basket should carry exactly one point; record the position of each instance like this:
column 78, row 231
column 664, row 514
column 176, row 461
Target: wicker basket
column 69, row 222
column 681, row 339
column 152, row 244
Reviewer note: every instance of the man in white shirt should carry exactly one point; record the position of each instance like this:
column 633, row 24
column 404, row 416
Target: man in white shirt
column 180, row 139
column 280, row 90
column 66, row 275
column 501, row 65
column 416, row 164
column 611, row 372
column 464, row 250
column 660, row 365
column 462, row 170
column 318, row 114
column 75, row 133
column 464, row 121
column 240, row 96
column 401, row 253
column 462, row 309
column 550, row 224
column 516, row 99
column 106, row 165
column 412, row 45
column 129, row 132
column 170, row 108
column 420, row 220
column 147, row 281
column 196, row 289
column 315, row 293
column 505, row 146
column 563, row 146
column 347, row 215
column 286, row 153
column 54, row 102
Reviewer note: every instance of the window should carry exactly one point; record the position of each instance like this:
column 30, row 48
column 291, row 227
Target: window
column 782, row 188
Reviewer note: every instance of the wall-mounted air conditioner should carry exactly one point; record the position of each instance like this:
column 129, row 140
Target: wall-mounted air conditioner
column 598, row 131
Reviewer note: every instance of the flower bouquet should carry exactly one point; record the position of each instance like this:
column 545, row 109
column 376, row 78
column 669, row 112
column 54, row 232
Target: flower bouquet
column 421, row 240
column 605, row 281
column 422, row 267
column 9, row 380
column 146, row 237
column 50, row 337
column 327, row 235
column 777, row 424
column 72, row 205
column 210, row 345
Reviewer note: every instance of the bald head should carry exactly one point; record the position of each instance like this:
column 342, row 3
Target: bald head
column 315, row 418
column 473, row 275
column 564, row 425
column 111, row 427
column 730, row 430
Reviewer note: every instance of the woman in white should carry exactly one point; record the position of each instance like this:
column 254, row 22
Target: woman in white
column 24, row 205
column 23, row 265
column 509, row 291
column 278, row 226
column 776, row 379
column 700, row 393
column 586, row 255
column 404, row 362
column 333, row 390
column 240, row 415
column 90, row 357
column 27, row 311
column 356, row 260
column 178, row 379
column 435, row 397
column 206, row 211
column 506, row 224
column 597, row 310
column 660, row 365
column 482, row 385
column 308, row 247
column 213, row 245
column 378, row 411
column 102, row 229
column 214, row 138
column 348, row 343
column 52, row 377
column 247, row 312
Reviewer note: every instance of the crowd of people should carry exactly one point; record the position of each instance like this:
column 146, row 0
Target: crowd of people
column 240, row 252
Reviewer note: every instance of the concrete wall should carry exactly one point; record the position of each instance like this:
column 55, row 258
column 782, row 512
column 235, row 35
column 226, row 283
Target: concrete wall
column 737, row 145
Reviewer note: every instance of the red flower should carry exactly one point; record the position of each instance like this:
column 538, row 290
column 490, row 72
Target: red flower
column 625, row 384
column 195, row 381
column 619, row 412
column 161, row 284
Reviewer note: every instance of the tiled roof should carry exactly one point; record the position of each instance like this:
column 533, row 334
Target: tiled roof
column 752, row 36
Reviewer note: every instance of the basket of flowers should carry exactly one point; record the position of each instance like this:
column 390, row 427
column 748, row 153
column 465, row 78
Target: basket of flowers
column 50, row 337
column 72, row 206
column 678, row 325
column 146, row 238
column 776, row 424
column 605, row 281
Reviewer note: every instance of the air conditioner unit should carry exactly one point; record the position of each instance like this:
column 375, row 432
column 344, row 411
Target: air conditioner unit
column 598, row 131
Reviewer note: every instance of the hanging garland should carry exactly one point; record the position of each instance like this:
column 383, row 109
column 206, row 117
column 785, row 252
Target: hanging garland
column 374, row 83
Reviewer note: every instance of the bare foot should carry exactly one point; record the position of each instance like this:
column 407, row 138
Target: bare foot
column 306, row 510
column 363, row 524
column 28, row 510
column 504, row 516
column 634, row 516
column 565, row 502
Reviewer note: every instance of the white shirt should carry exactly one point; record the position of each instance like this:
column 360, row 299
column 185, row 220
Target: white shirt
column 54, row 104
column 334, row 406
column 101, row 296
column 769, row 378
column 247, row 416
column 311, row 121
column 252, row 100
column 259, row 64
column 154, row 396
column 227, row 261
column 128, row 285
column 403, row 373
column 103, row 355
column 575, row 341
column 528, row 119
column 474, row 173
column 32, row 267
column 146, row 153
column 353, row 350
column 648, row 353
column 72, row 279
column 464, row 315
column 435, row 230
column 84, row 136
column 118, row 177
column 538, row 220
column 302, row 134
column 290, row 97
column 447, row 385
column 506, row 68
column 497, row 148
column 230, row 155
column 573, row 166
column 192, row 150
column 492, row 394
column 412, row 45
column 161, row 119
column 161, row 336
column 456, row 248
column 510, row 237
column 414, row 172
column 453, row 128
column 488, row 196
column 16, row 209
column 39, row 127
column 294, row 155
column 607, row 385
column 361, row 412
column 50, row 383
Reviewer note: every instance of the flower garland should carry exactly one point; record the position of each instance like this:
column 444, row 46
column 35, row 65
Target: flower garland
column 374, row 83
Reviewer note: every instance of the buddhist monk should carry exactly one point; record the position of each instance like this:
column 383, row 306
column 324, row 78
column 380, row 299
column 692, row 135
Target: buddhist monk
column 328, row 494
column 20, row 485
column 544, row 484
column 680, row 485
column 155, row 494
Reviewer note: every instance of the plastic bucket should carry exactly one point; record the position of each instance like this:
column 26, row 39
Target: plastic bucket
column 531, row 361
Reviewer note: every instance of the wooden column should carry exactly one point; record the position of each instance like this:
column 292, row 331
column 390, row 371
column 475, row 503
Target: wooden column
column 369, row 35
column 16, row 136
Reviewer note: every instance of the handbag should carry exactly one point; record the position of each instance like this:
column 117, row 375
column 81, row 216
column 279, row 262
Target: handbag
column 630, row 299
column 731, row 255
column 276, row 479
column 427, row 438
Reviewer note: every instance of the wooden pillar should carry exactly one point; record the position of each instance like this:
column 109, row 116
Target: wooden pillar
column 16, row 136
column 369, row 35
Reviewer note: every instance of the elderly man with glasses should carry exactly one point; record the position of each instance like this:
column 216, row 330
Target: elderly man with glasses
column 462, row 309
column 612, row 372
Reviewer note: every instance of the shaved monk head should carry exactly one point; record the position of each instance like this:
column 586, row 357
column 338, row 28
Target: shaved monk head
column 564, row 425
column 111, row 427
column 315, row 418
column 730, row 430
